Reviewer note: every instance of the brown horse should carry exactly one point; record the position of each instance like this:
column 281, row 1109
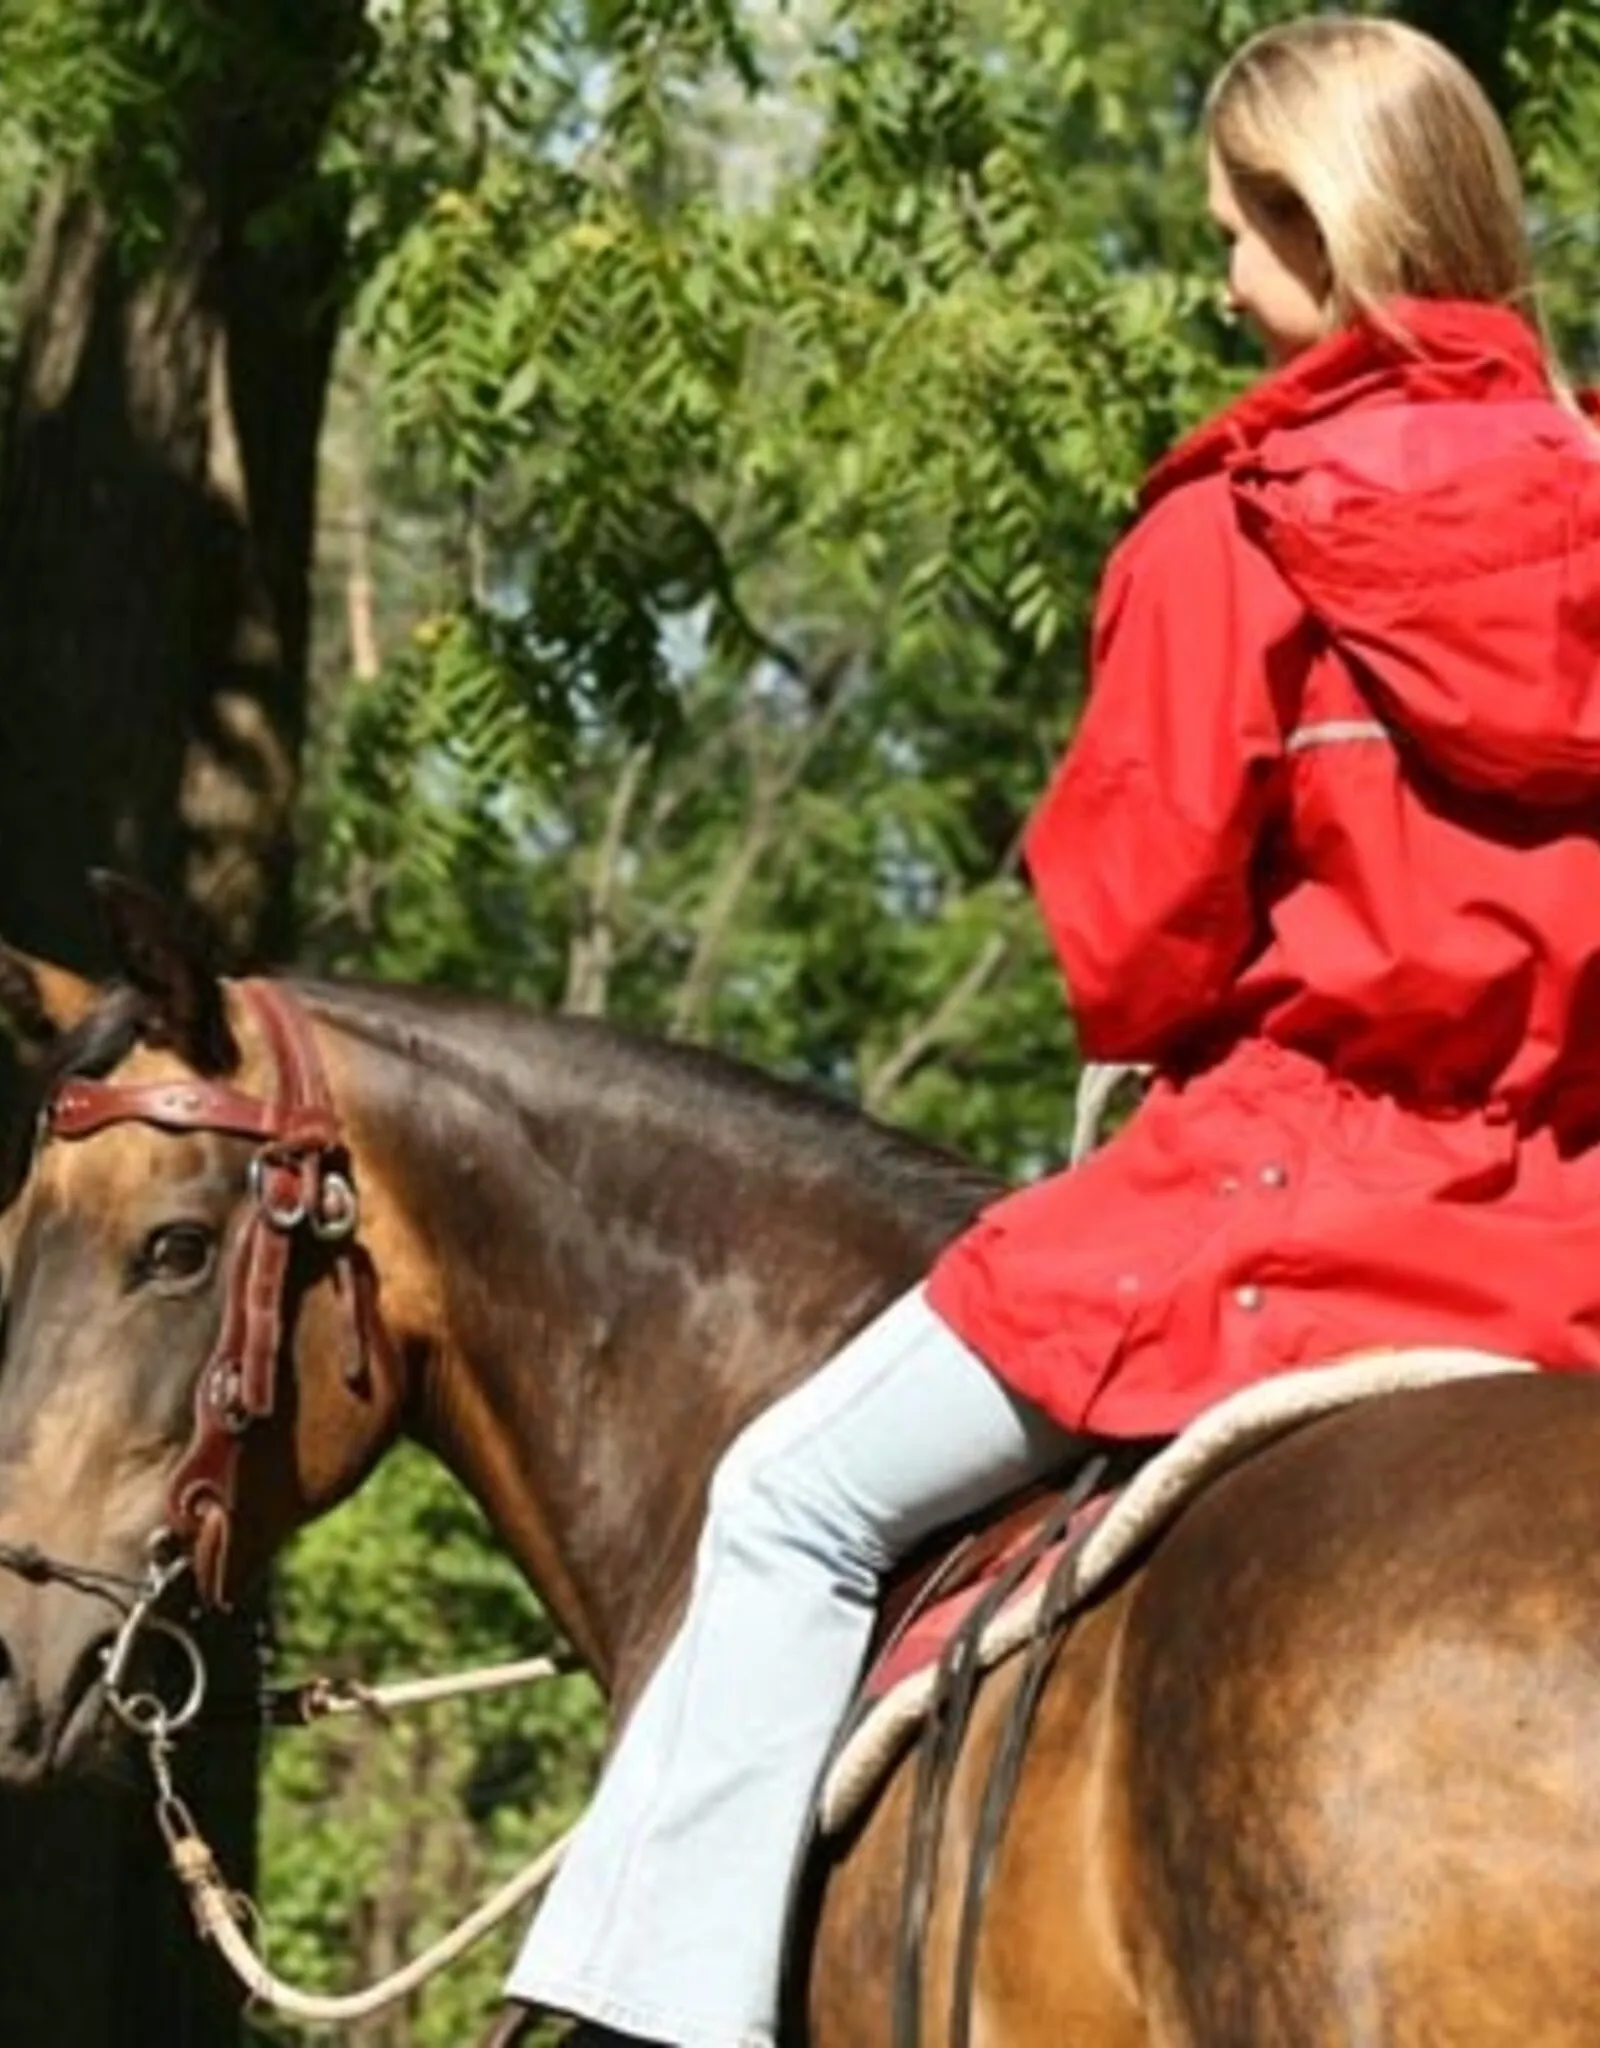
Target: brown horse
column 1327, row 1770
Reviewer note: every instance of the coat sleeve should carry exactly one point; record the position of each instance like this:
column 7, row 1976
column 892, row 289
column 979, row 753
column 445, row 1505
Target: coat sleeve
column 1143, row 851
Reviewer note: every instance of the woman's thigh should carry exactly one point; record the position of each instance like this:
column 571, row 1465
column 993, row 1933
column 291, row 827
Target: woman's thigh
column 903, row 1430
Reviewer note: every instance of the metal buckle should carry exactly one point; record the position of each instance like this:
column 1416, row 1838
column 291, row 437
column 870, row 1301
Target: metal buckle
column 284, row 1219
column 338, row 1211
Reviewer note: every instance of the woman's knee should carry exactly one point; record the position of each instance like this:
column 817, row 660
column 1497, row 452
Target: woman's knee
column 749, row 1477
column 765, row 1497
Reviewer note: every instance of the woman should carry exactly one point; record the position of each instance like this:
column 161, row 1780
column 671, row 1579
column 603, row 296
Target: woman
column 1326, row 851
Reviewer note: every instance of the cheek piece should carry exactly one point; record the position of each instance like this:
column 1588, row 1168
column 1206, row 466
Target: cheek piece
column 299, row 1183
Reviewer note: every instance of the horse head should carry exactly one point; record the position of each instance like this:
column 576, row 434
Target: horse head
column 598, row 1255
column 176, row 1342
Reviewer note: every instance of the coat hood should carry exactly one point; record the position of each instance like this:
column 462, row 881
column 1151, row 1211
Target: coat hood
column 1437, row 510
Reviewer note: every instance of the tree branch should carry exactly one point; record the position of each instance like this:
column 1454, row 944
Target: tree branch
column 769, row 791
column 360, row 589
column 890, row 1074
column 882, row 1082
column 593, row 950
column 693, row 998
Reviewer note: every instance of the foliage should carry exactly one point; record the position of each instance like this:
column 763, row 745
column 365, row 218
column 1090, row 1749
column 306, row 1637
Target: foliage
column 133, row 98
column 1553, row 61
column 788, row 493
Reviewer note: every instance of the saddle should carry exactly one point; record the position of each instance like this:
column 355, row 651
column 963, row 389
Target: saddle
column 1022, row 1537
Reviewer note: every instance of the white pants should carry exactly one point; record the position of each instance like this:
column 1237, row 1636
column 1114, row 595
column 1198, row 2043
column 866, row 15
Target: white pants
column 667, row 1918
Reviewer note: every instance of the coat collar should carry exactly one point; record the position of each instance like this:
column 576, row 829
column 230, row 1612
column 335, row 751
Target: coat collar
column 1421, row 350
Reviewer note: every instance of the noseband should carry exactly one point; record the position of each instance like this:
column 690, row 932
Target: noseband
column 299, row 1180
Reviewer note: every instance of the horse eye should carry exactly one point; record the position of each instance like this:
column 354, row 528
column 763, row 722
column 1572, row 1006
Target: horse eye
column 175, row 1254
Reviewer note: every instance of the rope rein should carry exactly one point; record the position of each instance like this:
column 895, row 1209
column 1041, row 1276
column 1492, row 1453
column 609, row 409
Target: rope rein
column 223, row 1915
column 1098, row 1085
column 220, row 1916
column 323, row 1699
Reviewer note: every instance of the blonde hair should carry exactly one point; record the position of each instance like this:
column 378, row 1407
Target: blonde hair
column 1391, row 148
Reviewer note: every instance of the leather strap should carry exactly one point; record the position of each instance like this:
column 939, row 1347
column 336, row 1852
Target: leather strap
column 299, row 1181
column 81, row 1107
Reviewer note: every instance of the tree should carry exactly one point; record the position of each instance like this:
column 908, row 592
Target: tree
column 175, row 324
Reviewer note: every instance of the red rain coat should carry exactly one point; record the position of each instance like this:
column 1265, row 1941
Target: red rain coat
column 1326, row 849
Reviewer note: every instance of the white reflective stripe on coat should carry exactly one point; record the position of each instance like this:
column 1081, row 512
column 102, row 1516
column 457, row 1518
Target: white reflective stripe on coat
column 1336, row 732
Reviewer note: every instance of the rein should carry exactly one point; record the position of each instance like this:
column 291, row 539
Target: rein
column 221, row 1914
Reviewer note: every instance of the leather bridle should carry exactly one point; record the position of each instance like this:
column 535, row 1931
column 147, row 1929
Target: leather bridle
column 299, row 1179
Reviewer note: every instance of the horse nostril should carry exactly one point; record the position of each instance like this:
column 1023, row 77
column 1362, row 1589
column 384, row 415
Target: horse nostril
column 6, row 1665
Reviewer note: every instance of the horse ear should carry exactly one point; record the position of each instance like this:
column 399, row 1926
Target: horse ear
column 162, row 953
column 39, row 1002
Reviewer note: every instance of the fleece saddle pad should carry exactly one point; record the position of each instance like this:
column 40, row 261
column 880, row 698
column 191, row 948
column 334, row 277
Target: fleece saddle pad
column 901, row 1683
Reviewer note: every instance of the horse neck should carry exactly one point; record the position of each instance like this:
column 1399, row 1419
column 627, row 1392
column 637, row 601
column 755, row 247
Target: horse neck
column 618, row 1290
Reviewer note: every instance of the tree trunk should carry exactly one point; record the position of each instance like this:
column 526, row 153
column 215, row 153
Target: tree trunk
column 1480, row 35
column 157, row 512
column 156, row 523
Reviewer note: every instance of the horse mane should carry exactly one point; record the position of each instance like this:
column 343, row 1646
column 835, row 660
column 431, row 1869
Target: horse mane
column 510, row 1058
column 513, row 1059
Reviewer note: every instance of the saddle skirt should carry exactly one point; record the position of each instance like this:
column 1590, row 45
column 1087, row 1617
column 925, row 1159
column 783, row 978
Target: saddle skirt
column 1109, row 1531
